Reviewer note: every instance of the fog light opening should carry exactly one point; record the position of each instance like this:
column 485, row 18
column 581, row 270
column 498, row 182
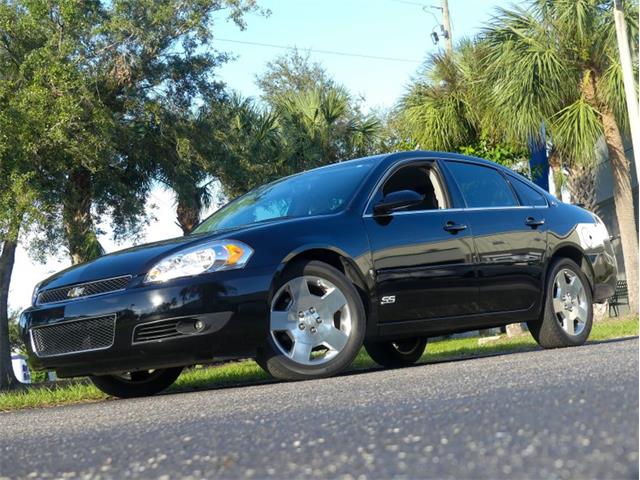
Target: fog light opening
column 198, row 325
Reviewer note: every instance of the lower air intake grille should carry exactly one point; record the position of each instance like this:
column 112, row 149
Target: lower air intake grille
column 72, row 292
column 74, row 337
column 149, row 332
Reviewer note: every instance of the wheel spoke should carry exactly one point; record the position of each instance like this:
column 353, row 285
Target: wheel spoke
column 332, row 302
column 301, row 352
column 335, row 339
column 299, row 289
column 575, row 287
column 280, row 321
column 558, row 305
column 567, row 324
column 561, row 282
column 582, row 314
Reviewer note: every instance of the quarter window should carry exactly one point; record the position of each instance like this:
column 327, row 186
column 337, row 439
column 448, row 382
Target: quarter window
column 528, row 195
column 482, row 186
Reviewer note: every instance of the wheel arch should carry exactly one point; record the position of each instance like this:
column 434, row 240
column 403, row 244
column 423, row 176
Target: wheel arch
column 338, row 259
column 576, row 253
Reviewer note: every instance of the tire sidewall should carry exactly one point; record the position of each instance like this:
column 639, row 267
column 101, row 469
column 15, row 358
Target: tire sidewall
column 386, row 354
column 116, row 387
column 550, row 314
column 270, row 353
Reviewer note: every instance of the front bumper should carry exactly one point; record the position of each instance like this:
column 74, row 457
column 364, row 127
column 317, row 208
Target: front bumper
column 233, row 307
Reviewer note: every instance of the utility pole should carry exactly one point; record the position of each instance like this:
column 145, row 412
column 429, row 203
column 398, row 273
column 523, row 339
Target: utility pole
column 447, row 25
column 629, row 85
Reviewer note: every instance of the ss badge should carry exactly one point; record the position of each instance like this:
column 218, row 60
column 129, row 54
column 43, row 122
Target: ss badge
column 388, row 300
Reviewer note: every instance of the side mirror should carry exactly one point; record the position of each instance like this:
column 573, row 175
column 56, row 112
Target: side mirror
column 397, row 201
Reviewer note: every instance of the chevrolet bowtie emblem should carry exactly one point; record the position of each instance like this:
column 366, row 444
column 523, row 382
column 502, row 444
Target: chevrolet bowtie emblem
column 75, row 292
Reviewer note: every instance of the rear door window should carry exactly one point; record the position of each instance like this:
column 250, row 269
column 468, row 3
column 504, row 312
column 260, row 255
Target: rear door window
column 482, row 187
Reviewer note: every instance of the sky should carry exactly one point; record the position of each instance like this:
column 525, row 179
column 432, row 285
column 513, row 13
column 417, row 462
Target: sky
column 395, row 29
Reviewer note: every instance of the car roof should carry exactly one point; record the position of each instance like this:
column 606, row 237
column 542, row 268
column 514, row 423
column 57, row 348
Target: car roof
column 434, row 154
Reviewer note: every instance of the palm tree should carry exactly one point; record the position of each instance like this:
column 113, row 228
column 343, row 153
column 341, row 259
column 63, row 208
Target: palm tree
column 246, row 143
column 557, row 62
column 437, row 106
column 447, row 108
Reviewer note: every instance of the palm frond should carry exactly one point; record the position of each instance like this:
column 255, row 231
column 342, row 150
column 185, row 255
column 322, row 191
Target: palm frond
column 576, row 129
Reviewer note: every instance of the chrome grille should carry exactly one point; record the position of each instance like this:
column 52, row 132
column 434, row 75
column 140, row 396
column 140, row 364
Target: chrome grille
column 81, row 290
column 73, row 337
column 149, row 332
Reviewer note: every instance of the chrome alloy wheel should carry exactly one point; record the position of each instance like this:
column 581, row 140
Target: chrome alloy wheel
column 570, row 302
column 310, row 320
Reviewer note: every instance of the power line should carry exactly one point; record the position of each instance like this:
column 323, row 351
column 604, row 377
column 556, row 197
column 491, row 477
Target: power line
column 406, row 2
column 327, row 52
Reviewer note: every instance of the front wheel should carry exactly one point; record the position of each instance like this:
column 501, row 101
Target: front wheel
column 136, row 384
column 567, row 315
column 398, row 353
column 316, row 325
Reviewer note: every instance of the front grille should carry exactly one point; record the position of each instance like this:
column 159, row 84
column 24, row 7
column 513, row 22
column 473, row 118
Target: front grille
column 80, row 290
column 149, row 332
column 73, row 337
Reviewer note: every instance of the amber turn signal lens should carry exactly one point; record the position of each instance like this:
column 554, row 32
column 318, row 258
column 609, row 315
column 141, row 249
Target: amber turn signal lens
column 235, row 253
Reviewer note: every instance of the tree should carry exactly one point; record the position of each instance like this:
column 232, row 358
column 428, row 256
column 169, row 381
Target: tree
column 305, row 121
column 557, row 62
column 78, row 86
column 174, row 143
column 91, row 75
column 446, row 108
column 292, row 73
column 248, row 144
column 321, row 126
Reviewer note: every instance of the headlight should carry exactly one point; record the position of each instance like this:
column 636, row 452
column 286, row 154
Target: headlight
column 208, row 257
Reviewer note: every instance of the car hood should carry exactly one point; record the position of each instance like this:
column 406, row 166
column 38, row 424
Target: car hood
column 131, row 261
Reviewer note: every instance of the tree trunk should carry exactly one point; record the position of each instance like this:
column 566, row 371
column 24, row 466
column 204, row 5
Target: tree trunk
column 7, row 258
column 188, row 209
column 582, row 183
column 623, row 198
column 78, row 223
column 187, row 216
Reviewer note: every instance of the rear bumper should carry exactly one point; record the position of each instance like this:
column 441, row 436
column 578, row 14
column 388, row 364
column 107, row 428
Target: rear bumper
column 232, row 306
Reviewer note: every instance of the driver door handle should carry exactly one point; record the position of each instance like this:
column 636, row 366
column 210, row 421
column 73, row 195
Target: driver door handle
column 534, row 222
column 453, row 227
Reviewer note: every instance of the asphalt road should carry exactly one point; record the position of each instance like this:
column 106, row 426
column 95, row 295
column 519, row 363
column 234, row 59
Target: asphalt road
column 570, row 413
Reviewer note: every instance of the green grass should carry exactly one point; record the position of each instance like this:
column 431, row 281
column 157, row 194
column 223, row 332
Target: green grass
column 247, row 372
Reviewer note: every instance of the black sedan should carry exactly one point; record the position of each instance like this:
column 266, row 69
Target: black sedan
column 384, row 251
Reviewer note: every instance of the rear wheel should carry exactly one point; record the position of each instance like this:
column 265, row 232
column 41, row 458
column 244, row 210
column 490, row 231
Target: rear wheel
column 136, row 384
column 398, row 353
column 568, row 311
column 316, row 324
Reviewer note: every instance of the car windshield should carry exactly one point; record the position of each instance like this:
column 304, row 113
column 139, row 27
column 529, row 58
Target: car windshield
column 317, row 192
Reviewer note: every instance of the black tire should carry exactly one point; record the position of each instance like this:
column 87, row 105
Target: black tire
column 140, row 384
column 547, row 330
column 399, row 353
column 271, row 358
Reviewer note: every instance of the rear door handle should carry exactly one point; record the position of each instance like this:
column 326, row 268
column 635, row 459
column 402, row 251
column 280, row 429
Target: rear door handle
column 453, row 227
column 534, row 222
